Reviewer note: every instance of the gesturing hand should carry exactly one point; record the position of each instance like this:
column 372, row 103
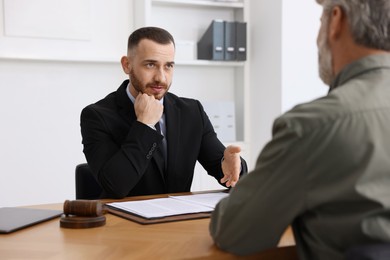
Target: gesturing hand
column 148, row 109
column 231, row 165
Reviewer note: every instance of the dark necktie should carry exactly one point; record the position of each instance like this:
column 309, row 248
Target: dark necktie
column 160, row 148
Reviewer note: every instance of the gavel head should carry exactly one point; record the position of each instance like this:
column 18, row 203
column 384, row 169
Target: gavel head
column 83, row 208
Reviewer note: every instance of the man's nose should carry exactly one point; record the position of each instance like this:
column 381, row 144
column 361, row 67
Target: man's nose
column 160, row 76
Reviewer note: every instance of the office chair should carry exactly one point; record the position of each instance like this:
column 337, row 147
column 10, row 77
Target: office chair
column 86, row 185
column 369, row 252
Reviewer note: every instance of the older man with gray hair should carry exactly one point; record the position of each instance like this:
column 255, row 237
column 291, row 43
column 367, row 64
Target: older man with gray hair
column 326, row 171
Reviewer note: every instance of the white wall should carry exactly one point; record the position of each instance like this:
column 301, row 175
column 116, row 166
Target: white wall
column 45, row 82
column 284, row 62
column 300, row 80
column 266, row 72
column 40, row 104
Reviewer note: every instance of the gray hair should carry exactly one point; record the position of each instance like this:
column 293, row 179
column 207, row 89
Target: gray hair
column 369, row 20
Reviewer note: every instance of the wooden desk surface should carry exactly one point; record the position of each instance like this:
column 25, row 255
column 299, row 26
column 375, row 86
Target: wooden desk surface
column 124, row 239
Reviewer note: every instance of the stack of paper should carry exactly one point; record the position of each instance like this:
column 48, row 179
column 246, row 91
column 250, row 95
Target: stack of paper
column 173, row 205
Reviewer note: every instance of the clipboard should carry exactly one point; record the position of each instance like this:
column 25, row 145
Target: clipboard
column 146, row 221
column 201, row 206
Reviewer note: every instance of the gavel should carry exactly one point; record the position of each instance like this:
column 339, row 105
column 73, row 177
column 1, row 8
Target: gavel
column 84, row 208
column 83, row 214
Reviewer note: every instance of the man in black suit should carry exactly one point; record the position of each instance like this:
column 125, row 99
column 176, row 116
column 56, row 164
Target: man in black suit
column 143, row 140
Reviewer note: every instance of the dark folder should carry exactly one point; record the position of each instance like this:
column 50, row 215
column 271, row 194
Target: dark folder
column 211, row 44
column 230, row 40
column 12, row 219
column 240, row 41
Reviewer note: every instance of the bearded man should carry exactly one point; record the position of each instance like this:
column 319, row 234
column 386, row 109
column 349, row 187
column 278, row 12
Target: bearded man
column 141, row 139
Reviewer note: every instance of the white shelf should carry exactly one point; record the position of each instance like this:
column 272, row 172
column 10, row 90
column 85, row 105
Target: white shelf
column 210, row 63
column 204, row 3
column 59, row 59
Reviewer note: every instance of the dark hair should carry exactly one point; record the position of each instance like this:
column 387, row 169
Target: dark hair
column 155, row 34
column 369, row 20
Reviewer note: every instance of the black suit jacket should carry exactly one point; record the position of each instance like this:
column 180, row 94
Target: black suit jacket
column 122, row 151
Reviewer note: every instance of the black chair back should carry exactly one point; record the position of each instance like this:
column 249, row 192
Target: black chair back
column 86, row 185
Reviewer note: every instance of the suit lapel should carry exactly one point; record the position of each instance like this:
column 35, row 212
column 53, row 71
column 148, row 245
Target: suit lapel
column 127, row 112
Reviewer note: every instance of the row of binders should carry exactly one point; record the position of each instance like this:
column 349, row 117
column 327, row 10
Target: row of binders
column 223, row 40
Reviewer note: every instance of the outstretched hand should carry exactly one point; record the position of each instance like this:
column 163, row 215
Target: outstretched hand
column 231, row 165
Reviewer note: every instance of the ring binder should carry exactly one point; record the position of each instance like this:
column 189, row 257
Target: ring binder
column 211, row 45
column 230, row 40
column 223, row 40
column 240, row 41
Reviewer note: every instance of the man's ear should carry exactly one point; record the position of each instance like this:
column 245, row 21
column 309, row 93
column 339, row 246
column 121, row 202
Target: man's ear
column 337, row 18
column 125, row 64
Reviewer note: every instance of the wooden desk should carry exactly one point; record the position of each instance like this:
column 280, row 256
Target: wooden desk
column 124, row 239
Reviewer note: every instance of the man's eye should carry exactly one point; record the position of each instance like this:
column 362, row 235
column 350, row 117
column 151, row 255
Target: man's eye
column 170, row 66
column 150, row 65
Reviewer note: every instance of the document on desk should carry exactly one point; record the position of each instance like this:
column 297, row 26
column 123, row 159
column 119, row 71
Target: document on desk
column 207, row 199
column 171, row 206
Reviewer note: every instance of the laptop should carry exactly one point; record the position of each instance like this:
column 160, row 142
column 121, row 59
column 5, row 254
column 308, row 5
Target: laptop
column 14, row 218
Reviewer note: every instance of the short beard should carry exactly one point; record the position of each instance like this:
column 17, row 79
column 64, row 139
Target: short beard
column 137, row 84
column 325, row 60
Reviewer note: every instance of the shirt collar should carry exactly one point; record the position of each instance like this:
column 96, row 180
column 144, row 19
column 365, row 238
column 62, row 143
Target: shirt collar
column 363, row 65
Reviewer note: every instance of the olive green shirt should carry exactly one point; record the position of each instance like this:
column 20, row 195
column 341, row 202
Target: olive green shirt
column 326, row 172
